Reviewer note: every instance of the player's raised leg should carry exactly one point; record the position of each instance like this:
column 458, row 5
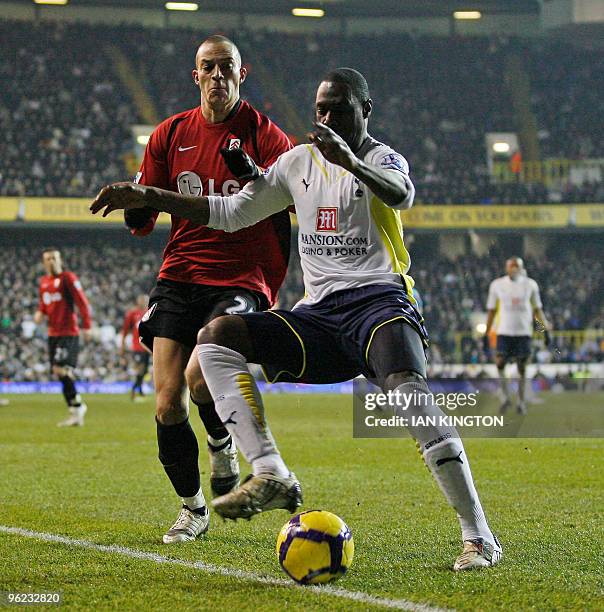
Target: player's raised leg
column 396, row 356
column 224, row 460
column 224, row 350
column 178, row 449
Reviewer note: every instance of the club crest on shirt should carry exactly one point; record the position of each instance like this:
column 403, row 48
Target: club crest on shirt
column 393, row 162
column 327, row 219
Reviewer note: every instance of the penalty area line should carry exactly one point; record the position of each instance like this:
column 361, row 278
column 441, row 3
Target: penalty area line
column 327, row 590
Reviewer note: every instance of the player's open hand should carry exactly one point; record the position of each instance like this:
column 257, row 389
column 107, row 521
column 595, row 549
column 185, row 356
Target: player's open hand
column 121, row 196
column 333, row 147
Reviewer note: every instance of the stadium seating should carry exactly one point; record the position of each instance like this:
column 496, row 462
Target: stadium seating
column 66, row 123
column 451, row 291
column 111, row 290
column 66, row 117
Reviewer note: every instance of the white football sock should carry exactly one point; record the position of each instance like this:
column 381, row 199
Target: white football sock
column 522, row 388
column 218, row 441
column 505, row 386
column 239, row 406
column 196, row 502
column 444, row 454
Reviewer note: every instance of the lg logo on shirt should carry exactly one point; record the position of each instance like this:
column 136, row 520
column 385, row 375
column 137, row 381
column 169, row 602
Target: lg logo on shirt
column 327, row 219
column 49, row 298
column 190, row 184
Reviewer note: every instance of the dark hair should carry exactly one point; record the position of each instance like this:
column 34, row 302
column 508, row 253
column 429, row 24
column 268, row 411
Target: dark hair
column 354, row 79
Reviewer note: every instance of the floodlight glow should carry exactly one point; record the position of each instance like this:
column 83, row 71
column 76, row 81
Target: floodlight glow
column 467, row 14
column 182, row 6
column 55, row 2
column 143, row 139
column 501, row 147
column 481, row 328
column 308, row 12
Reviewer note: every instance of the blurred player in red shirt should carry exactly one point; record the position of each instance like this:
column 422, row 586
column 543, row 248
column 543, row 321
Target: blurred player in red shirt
column 139, row 353
column 60, row 293
column 205, row 272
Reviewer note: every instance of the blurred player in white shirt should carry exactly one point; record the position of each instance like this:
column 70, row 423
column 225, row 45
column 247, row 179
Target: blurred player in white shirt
column 515, row 298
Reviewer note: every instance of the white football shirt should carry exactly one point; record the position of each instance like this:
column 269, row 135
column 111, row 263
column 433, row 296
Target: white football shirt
column 347, row 236
column 514, row 301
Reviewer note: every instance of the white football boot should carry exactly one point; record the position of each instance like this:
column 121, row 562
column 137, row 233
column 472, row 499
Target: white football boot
column 259, row 494
column 224, row 469
column 188, row 526
column 76, row 416
column 479, row 553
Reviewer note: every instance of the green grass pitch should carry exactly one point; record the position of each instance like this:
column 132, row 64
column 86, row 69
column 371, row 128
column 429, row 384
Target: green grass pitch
column 103, row 484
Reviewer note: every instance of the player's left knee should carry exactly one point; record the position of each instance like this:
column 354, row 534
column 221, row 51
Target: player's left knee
column 392, row 381
column 229, row 331
column 60, row 372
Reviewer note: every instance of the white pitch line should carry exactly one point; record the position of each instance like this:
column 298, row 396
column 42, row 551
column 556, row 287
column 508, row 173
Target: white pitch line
column 358, row 596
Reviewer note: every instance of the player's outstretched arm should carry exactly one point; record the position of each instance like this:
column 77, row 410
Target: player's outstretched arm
column 257, row 201
column 391, row 187
column 130, row 196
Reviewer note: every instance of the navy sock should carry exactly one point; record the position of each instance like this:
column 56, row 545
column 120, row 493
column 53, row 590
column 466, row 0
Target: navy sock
column 211, row 421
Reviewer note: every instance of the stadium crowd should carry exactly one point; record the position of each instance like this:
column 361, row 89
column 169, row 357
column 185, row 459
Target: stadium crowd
column 452, row 290
column 66, row 116
column 111, row 290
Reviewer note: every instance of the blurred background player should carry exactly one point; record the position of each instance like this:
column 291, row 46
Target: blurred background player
column 140, row 354
column 205, row 273
column 60, row 292
column 515, row 299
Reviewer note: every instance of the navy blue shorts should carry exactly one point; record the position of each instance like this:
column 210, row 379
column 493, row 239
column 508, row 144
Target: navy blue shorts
column 518, row 347
column 330, row 341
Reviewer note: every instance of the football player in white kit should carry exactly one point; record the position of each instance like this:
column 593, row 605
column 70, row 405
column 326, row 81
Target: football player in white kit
column 515, row 301
column 358, row 314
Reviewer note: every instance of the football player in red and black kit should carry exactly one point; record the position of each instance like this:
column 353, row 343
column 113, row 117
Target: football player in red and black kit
column 205, row 272
column 139, row 353
column 60, row 292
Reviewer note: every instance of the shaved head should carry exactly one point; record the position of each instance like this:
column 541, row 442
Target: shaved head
column 515, row 261
column 218, row 73
column 218, row 40
column 514, row 267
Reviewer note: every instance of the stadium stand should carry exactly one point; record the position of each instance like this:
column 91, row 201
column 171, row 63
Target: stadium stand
column 67, row 129
column 111, row 290
column 451, row 290
column 66, row 116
